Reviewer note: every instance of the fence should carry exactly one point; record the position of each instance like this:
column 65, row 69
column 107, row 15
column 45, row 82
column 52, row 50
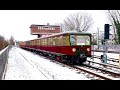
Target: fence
column 3, row 60
column 114, row 48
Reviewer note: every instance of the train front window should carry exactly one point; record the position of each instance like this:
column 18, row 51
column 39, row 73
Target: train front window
column 72, row 40
column 80, row 40
column 87, row 40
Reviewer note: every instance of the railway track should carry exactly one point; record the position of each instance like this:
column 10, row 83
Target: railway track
column 99, row 72
column 91, row 72
column 109, row 59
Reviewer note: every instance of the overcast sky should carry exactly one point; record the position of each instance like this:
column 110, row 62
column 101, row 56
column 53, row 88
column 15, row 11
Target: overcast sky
column 17, row 22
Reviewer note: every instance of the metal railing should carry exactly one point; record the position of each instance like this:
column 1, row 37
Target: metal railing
column 3, row 60
column 111, row 48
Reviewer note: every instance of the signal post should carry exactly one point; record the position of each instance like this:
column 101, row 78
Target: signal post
column 106, row 37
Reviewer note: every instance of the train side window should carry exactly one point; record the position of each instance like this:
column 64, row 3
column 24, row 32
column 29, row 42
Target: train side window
column 35, row 42
column 53, row 41
column 32, row 43
column 44, row 41
column 60, row 40
column 39, row 41
column 48, row 41
column 64, row 40
column 87, row 40
column 57, row 41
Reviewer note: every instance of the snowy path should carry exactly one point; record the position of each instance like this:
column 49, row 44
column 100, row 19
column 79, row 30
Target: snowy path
column 23, row 65
column 19, row 68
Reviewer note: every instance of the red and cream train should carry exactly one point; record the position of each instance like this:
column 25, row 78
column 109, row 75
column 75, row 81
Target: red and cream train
column 72, row 47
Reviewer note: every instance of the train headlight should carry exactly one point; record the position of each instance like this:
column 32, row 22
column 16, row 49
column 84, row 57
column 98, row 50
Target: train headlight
column 73, row 49
column 88, row 49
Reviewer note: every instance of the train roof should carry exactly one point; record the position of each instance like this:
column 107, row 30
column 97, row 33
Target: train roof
column 64, row 33
column 61, row 33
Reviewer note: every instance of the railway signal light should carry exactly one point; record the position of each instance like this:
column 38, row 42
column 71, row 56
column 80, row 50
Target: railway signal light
column 106, row 31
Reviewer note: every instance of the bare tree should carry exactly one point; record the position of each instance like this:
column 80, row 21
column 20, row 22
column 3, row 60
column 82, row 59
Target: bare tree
column 3, row 42
column 114, row 17
column 11, row 41
column 78, row 22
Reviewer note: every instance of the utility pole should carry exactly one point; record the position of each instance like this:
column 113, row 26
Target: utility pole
column 93, row 44
column 98, row 39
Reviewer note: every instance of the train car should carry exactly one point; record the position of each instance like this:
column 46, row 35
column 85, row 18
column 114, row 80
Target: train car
column 22, row 44
column 72, row 47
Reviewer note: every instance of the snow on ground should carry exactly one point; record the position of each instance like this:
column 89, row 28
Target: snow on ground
column 24, row 65
column 109, row 55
